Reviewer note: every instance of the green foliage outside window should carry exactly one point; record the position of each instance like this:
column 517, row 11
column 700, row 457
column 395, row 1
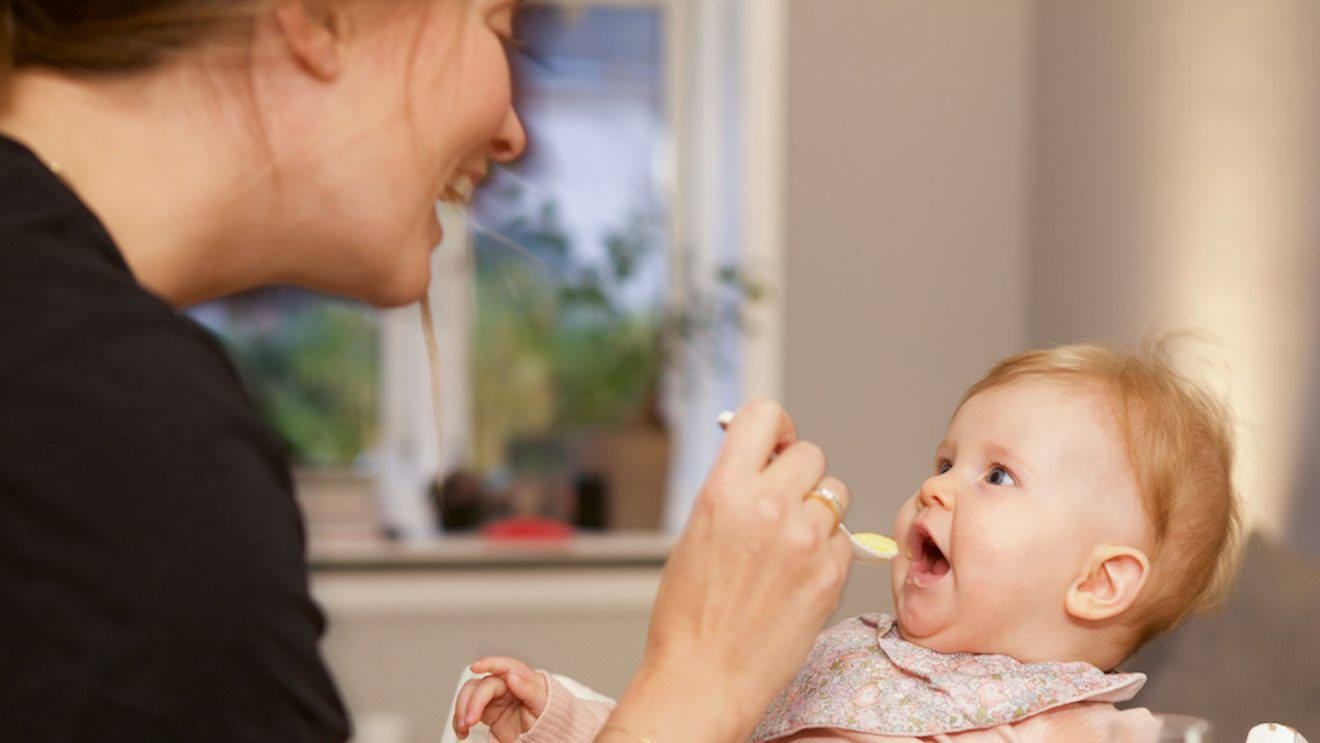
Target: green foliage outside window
column 310, row 363
column 555, row 345
column 563, row 344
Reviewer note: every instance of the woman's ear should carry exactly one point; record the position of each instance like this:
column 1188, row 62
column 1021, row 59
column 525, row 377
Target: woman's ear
column 312, row 30
column 1109, row 584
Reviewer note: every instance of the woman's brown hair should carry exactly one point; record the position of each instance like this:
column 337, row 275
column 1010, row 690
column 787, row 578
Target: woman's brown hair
column 105, row 36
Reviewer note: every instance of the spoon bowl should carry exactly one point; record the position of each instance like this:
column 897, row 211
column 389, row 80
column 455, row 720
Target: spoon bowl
column 871, row 548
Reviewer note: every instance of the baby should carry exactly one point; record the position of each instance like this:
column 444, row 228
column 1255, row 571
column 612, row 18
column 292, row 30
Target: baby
column 1081, row 502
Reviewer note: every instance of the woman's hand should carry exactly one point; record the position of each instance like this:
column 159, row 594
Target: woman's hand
column 751, row 581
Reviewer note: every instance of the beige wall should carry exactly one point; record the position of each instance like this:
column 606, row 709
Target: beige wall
column 968, row 180
column 906, row 261
column 1177, row 184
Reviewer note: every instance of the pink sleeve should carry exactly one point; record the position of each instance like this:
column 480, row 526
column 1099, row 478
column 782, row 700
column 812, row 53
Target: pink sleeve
column 566, row 719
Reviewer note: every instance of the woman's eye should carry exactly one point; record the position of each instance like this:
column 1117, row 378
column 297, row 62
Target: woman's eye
column 999, row 476
column 516, row 47
column 501, row 23
column 943, row 466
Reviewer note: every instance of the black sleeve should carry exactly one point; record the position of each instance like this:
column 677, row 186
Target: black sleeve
column 152, row 565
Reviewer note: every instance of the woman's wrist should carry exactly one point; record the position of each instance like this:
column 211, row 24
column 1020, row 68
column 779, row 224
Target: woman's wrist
column 679, row 705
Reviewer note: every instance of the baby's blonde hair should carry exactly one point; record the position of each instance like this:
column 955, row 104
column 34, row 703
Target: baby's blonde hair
column 1179, row 442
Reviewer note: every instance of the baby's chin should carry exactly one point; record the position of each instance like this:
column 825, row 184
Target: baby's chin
column 932, row 632
column 916, row 626
column 941, row 643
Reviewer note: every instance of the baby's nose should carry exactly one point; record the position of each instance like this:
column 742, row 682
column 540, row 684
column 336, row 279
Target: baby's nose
column 934, row 494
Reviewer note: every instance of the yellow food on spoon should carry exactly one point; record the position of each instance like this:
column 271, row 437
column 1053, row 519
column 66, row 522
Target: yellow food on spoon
column 876, row 542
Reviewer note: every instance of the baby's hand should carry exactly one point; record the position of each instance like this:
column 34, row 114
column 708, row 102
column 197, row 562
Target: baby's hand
column 509, row 699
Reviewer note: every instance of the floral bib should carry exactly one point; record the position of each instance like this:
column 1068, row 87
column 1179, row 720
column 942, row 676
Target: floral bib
column 862, row 676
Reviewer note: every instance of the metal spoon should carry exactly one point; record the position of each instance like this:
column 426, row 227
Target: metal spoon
column 867, row 547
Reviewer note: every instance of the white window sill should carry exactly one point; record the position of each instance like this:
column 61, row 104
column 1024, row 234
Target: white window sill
column 331, row 549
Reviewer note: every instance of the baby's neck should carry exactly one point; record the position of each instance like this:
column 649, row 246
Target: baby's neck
column 1085, row 643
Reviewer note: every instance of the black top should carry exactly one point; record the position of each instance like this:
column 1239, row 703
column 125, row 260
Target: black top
column 153, row 583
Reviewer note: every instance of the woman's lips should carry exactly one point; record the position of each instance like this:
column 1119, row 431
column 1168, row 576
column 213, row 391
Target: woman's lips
column 927, row 562
column 459, row 190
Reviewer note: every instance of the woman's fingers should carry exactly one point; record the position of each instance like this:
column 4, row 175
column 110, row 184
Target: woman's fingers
column 819, row 511
column 758, row 566
column 797, row 469
column 797, row 473
column 760, row 429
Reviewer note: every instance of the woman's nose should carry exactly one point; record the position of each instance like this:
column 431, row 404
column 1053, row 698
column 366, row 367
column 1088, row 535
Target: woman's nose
column 510, row 141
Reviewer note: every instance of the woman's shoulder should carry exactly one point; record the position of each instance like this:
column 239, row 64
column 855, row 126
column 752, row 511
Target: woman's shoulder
column 63, row 282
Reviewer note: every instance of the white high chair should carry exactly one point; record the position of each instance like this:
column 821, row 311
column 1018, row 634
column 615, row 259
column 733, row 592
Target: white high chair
column 1266, row 732
column 481, row 734
column 1273, row 732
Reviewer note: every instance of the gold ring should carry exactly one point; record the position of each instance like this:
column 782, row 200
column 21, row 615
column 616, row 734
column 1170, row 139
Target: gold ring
column 831, row 499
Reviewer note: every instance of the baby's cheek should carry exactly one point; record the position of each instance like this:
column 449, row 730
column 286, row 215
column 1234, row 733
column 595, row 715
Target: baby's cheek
column 903, row 520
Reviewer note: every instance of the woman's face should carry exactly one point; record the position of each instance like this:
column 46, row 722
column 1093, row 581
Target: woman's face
column 421, row 103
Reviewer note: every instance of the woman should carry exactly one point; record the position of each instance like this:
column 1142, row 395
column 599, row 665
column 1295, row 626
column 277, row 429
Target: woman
column 159, row 153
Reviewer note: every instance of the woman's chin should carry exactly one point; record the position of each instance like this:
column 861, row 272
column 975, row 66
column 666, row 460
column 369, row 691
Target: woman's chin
column 398, row 285
column 402, row 291
column 404, row 282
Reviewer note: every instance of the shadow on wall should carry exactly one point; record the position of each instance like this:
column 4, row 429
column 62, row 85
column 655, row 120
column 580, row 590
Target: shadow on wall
column 1255, row 661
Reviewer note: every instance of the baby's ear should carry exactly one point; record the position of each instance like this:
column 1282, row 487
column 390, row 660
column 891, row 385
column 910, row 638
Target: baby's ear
column 1109, row 584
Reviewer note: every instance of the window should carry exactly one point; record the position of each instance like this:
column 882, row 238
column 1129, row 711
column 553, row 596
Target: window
column 310, row 364
column 595, row 289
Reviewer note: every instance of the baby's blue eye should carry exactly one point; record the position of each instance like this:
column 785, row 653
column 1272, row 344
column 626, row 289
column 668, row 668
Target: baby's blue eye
column 943, row 466
column 999, row 476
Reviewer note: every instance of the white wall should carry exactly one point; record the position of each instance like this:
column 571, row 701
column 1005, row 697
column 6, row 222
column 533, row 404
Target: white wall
column 398, row 640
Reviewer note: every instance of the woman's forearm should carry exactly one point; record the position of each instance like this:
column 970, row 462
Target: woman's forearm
column 680, row 706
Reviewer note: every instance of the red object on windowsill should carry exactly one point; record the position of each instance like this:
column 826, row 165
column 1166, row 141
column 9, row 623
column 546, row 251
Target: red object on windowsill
column 527, row 527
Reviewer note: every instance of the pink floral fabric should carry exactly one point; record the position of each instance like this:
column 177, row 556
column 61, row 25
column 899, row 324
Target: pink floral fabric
column 862, row 676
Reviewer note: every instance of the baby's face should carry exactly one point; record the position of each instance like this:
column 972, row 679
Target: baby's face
column 1029, row 479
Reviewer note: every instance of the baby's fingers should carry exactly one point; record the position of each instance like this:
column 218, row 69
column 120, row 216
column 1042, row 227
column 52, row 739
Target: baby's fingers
column 530, row 688
column 499, row 665
column 473, row 699
column 460, row 704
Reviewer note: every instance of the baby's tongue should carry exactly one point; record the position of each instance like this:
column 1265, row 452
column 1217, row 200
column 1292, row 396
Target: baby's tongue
column 940, row 566
column 933, row 559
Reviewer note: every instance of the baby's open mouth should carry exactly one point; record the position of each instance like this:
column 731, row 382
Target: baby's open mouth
column 928, row 561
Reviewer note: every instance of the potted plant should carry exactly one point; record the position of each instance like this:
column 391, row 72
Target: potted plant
column 570, row 352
